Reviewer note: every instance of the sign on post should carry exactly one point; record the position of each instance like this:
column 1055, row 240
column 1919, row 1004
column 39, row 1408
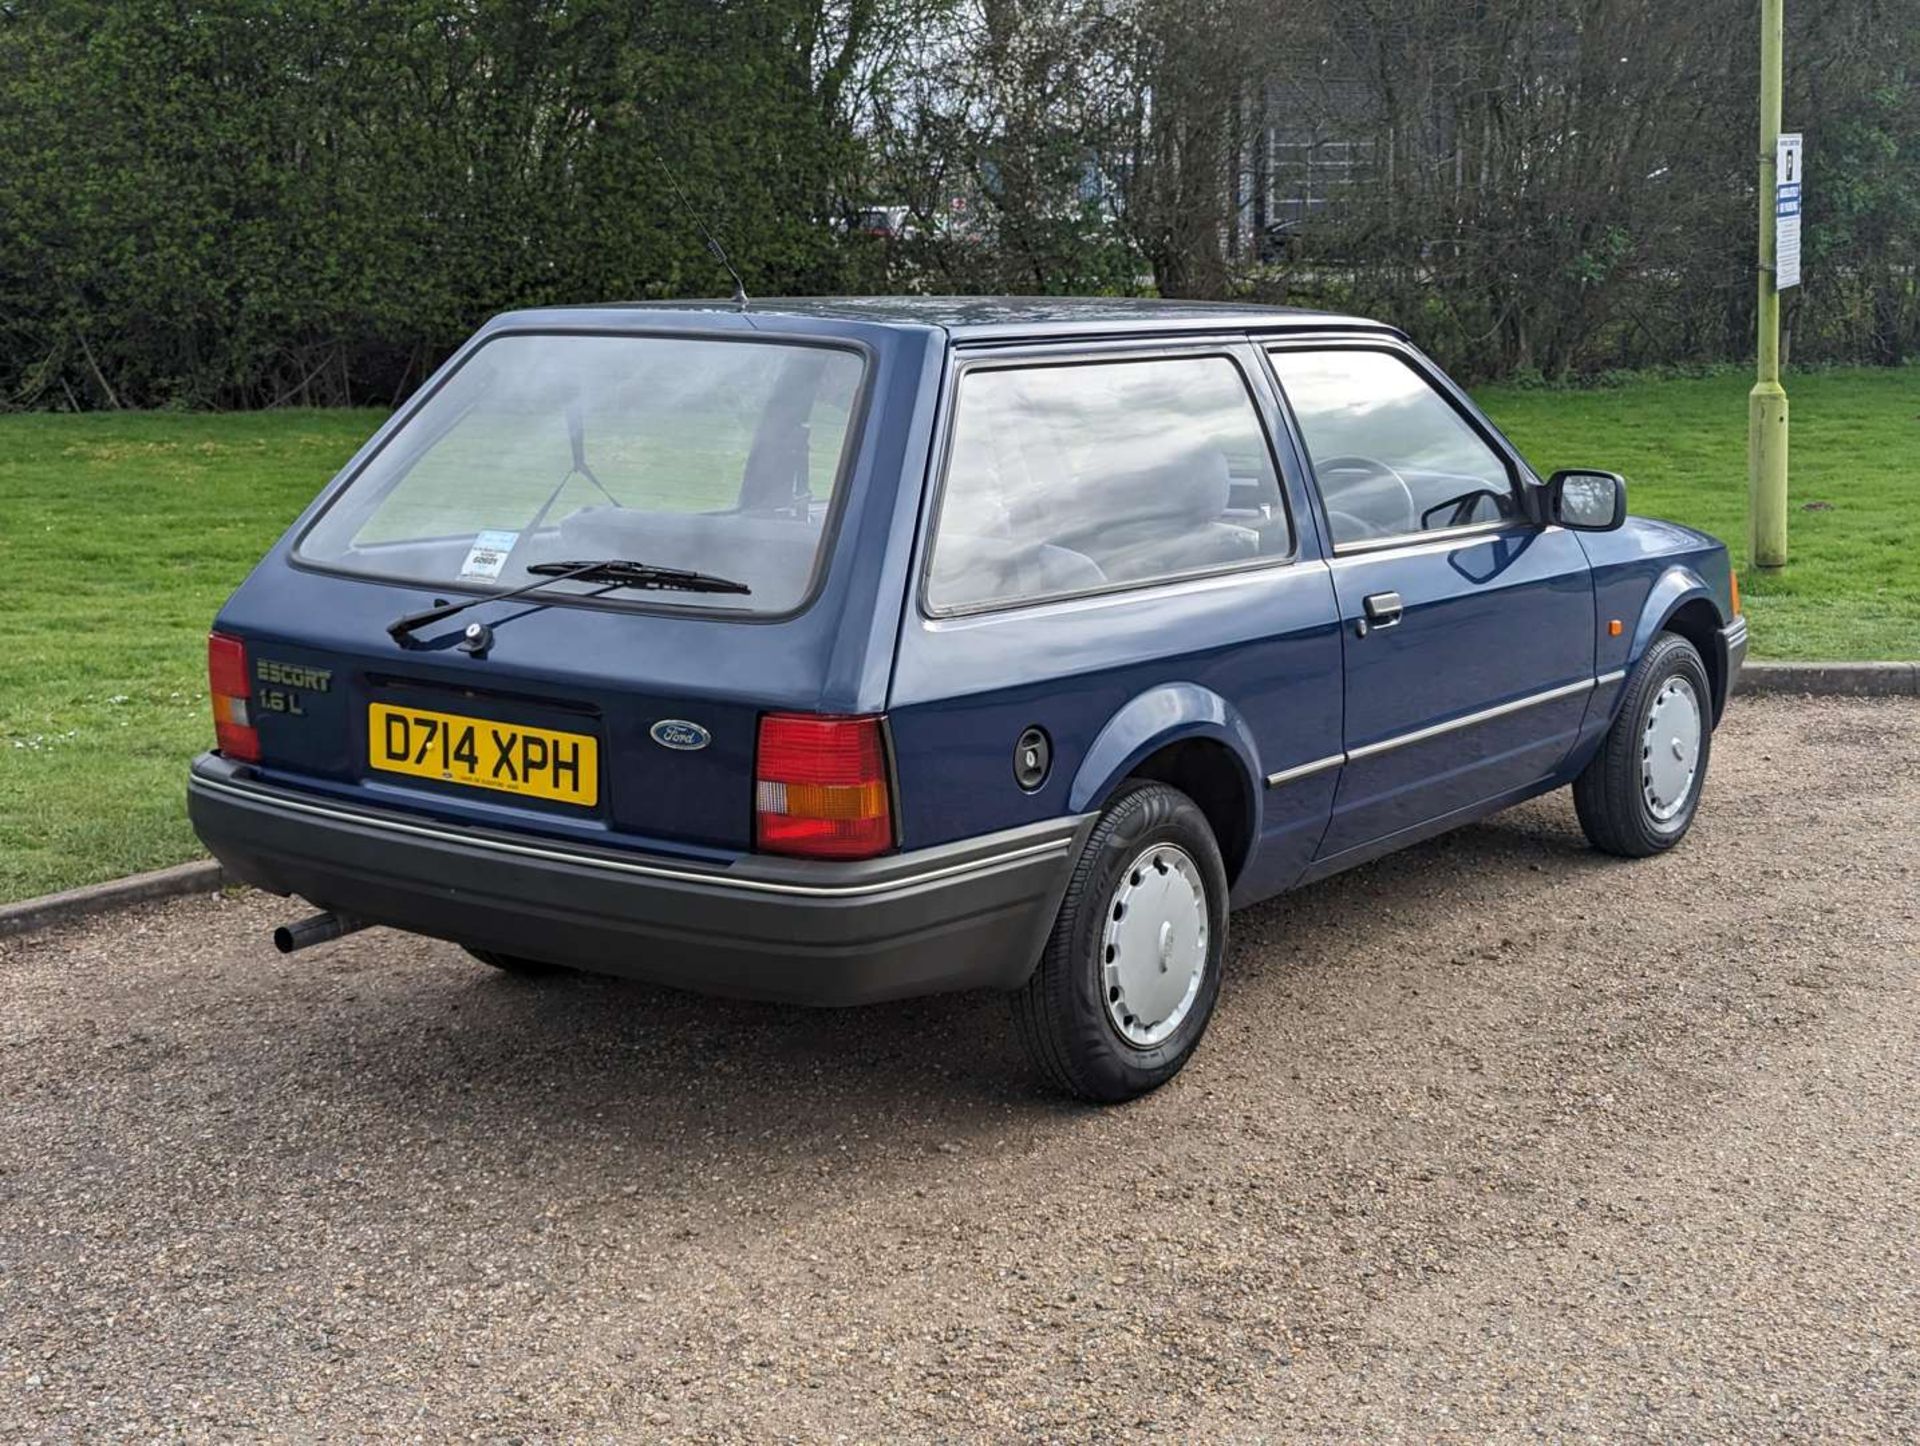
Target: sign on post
column 1787, row 159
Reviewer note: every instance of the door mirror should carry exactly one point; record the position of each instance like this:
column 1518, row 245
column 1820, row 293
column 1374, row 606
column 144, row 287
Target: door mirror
column 1587, row 500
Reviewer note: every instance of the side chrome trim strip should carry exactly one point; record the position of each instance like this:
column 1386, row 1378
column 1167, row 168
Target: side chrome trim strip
column 1452, row 725
column 264, row 798
column 1485, row 715
column 1305, row 770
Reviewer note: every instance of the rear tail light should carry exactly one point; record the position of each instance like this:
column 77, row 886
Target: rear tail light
column 233, row 730
column 820, row 788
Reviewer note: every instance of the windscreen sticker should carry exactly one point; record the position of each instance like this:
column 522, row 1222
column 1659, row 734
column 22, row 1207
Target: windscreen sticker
column 488, row 555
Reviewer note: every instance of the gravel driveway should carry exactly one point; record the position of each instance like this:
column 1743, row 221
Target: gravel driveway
column 1494, row 1138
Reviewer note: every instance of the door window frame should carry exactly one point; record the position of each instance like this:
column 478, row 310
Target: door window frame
column 1520, row 476
column 1230, row 347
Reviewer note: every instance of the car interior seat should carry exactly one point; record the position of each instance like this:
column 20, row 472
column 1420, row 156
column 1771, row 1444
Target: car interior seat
column 1166, row 516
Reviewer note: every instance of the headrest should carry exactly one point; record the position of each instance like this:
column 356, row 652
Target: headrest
column 1184, row 488
column 1190, row 487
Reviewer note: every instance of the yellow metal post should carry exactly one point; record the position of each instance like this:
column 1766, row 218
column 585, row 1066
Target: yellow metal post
column 1767, row 403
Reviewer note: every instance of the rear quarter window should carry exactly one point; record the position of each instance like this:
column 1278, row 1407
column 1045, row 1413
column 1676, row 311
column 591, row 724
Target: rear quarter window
column 1078, row 477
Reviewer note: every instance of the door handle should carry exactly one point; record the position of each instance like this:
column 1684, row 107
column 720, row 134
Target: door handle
column 1384, row 610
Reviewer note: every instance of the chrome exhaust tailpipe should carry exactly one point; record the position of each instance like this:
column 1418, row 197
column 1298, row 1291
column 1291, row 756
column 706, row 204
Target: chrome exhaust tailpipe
column 317, row 930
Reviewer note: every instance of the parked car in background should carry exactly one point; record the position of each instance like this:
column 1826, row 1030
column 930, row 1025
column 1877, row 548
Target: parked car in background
column 838, row 651
column 888, row 223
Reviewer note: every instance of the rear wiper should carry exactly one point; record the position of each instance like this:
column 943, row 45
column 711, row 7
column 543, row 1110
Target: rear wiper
column 622, row 573
column 614, row 572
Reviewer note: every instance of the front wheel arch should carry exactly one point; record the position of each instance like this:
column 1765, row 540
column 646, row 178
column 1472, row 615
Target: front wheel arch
column 1681, row 602
column 1698, row 621
column 1610, row 795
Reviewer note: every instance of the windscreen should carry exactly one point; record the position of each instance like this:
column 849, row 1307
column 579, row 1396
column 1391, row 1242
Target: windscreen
column 709, row 456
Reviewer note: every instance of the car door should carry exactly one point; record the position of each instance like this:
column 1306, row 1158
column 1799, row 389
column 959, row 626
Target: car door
column 1468, row 630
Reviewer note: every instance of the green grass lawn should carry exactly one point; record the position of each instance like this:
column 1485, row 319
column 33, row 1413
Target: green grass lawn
column 1851, row 588
column 121, row 534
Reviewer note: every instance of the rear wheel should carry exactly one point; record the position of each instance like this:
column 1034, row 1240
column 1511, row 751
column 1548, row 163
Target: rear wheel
column 1128, row 980
column 515, row 964
column 1639, row 794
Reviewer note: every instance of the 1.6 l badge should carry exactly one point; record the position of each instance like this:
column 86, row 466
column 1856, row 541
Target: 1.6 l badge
column 680, row 735
column 291, row 679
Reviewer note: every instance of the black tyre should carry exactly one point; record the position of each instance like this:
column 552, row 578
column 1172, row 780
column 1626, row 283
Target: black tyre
column 1128, row 980
column 1639, row 794
column 515, row 964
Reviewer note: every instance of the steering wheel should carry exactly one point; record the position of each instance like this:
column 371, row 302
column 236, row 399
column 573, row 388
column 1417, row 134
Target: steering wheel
column 1361, row 469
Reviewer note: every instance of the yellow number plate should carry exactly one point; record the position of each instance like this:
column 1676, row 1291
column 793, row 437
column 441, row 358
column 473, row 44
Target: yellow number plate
column 535, row 762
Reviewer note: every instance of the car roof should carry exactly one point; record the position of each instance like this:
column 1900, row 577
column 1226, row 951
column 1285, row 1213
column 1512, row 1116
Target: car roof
column 987, row 318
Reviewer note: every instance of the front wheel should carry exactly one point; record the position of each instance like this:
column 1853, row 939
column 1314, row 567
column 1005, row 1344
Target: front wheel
column 1128, row 980
column 1639, row 794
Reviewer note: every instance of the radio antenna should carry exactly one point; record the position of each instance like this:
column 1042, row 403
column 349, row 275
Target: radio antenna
column 718, row 251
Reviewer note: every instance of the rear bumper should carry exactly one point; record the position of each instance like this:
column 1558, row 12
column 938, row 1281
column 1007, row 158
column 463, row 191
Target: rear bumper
column 967, row 915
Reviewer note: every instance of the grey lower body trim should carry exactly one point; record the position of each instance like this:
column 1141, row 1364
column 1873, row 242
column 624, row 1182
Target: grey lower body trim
column 1330, row 864
column 774, row 877
column 1733, row 658
column 965, row 915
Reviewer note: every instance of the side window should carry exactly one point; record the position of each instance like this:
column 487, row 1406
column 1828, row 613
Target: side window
column 1066, row 478
column 1390, row 454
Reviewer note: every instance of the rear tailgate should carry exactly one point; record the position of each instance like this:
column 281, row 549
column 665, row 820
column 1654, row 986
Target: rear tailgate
column 661, row 700
column 558, row 727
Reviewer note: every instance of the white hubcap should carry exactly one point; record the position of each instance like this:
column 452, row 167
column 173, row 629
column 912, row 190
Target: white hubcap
column 1155, row 945
column 1670, row 749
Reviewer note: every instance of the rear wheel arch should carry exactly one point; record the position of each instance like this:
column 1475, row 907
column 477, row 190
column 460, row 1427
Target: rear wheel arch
column 1192, row 739
column 1208, row 773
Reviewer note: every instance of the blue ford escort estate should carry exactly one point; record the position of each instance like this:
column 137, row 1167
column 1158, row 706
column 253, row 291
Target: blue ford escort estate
column 837, row 651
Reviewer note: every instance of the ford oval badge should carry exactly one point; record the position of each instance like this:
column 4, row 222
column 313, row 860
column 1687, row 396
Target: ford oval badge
column 679, row 734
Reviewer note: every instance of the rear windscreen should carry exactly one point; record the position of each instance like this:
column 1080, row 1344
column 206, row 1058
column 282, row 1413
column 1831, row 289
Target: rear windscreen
column 709, row 456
